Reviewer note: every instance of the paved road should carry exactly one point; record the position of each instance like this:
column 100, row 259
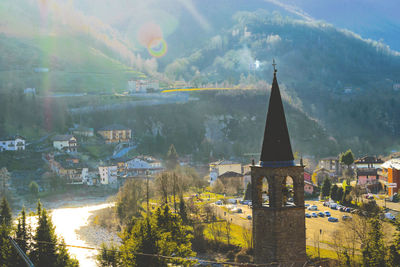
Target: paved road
column 129, row 104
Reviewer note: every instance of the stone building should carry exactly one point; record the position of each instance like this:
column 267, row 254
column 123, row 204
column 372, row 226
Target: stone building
column 278, row 194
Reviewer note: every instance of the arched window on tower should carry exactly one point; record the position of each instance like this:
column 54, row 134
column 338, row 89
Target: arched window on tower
column 265, row 193
column 288, row 192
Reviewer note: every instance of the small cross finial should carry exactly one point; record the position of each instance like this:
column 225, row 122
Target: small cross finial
column 274, row 64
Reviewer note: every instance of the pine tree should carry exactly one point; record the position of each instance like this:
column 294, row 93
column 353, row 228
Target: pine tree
column 109, row 256
column 159, row 233
column 6, row 250
column 172, row 158
column 23, row 237
column 5, row 212
column 247, row 194
column 63, row 257
column 45, row 241
column 375, row 249
column 394, row 249
column 334, row 190
column 326, row 187
column 182, row 210
column 339, row 194
column 46, row 250
column 347, row 158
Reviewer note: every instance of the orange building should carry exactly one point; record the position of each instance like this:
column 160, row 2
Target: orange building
column 391, row 169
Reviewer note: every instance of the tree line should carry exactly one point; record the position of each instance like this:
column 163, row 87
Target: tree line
column 43, row 247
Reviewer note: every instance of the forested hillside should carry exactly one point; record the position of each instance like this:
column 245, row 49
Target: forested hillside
column 332, row 75
column 335, row 79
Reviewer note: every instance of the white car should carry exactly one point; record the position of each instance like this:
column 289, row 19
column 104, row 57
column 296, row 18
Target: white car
column 389, row 216
column 313, row 207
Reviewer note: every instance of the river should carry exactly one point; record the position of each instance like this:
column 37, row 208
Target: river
column 68, row 221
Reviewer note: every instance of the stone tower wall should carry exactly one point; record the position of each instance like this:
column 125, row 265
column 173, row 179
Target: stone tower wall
column 278, row 230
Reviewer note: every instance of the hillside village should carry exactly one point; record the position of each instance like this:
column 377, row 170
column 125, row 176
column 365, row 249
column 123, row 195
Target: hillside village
column 67, row 158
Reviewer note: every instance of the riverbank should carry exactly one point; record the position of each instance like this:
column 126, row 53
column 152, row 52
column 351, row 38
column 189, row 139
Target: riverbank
column 66, row 199
column 72, row 224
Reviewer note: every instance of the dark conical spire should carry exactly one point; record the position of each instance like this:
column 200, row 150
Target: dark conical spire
column 276, row 149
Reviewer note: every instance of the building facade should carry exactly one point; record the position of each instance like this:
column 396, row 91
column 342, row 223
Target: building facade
column 116, row 134
column 108, row 174
column 391, row 169
column 222, row 166
column 66, row 143
column 143, row 86
column 13, row 143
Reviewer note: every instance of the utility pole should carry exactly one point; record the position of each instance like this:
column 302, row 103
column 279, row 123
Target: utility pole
column 147, row 191
column 21, row 253
column 174, row 189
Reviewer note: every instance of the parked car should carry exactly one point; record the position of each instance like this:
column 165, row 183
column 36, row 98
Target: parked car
column 389, row 216
column 333, row 219
column 248, row 217
column 219, row 202
column 239, row 211
column 327, row 213
column 313, row 207
column 369, row 196
column 314, row 215
column 306, row 205
column 333, row 206
column 347, row 210
column 346, row 217
column 232, row 201
column 321, row 214
column 308, row 215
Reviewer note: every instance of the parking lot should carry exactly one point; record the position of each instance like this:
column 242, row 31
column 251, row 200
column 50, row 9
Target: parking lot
column 318, row 228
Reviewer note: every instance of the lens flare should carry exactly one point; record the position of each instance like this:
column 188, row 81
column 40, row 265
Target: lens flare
column 157, row 47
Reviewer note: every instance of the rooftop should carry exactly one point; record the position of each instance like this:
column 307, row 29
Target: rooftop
column 13, row 137
column 368, row 159
column 230, row 174
column 392, row 164
column 223, row 162
column 276, row 148
column 62, row 137
column 114, row 127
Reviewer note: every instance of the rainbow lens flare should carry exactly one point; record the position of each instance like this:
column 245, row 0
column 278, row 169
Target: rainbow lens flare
column 157, row 47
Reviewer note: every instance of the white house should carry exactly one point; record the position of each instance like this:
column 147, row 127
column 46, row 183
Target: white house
column 140, row 165
column 30, row 91
column 142, row 86
column 220, row 167
column 12, row 143
column 108, row 174
column 65, row 143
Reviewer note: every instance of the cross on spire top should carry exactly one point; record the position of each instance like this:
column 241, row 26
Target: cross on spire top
column 274, row 64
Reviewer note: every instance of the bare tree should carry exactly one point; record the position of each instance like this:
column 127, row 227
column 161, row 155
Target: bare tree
column 218, row 187
column 4, row 178
column 337, row 245
column 228, row 231
column 216, row 231
column 360, row 227
column 209, row 212
column 247, row 235
column 356, row 193
column 163, row 184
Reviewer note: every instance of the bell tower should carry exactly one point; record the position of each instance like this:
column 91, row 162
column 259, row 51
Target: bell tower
column 278, row 193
